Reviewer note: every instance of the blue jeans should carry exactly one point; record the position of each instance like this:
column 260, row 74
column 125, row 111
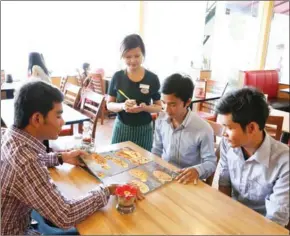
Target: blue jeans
column 48, row 228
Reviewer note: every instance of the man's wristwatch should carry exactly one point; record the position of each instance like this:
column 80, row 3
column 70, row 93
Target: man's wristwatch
column 59, row 157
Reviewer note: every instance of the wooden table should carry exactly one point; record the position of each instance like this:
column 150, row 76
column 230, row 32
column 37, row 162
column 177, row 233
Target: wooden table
column 171, row 209
column 285, row 127
column 9, row 88
column 70, row 115
column 285, row 90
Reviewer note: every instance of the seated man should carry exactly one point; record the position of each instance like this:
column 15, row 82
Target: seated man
column 25, row 180
column 254, row 167
column 181, row 137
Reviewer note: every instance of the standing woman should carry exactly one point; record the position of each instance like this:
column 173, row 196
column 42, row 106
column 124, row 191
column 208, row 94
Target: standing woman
column 37, row 67
column 140, row 86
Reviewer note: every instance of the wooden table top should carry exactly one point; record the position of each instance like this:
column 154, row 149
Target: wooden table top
column 171, row 209
column 11, row 86
column 285, row 90
column 285, row 127
column 70, row 115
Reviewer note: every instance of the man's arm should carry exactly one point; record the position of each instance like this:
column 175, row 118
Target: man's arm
column 224, row 174
column 277, row 204
column 49, row 159
column 37, row 190
column 208, row 158
column 157, row 147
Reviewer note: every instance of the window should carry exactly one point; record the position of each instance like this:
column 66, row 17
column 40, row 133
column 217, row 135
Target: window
column 173, row 35
column 67, row 33
column 278, row 47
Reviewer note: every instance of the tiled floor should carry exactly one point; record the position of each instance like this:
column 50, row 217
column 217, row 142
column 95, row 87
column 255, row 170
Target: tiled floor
column 103, row 134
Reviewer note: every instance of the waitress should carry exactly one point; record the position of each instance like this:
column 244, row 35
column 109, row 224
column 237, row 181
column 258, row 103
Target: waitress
column 131, row 93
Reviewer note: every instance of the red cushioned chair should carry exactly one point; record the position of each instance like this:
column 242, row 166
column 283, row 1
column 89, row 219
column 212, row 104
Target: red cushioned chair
column 268, row 82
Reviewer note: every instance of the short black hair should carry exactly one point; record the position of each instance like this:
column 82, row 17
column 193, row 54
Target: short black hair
column 246, row 105
column 130, row 42
column 34, row 96
column 179, row 85
column 86, row 66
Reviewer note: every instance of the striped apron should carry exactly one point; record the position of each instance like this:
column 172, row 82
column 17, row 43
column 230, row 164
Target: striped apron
column 141, row 135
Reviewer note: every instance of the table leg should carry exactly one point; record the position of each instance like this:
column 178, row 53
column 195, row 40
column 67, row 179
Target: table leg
column 80, row 128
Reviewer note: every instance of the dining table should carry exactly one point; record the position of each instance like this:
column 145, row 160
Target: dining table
column 172, row 209
column 285, row 90
column 70, row 115
column 9, row 88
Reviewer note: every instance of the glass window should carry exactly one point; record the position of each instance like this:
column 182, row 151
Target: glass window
column 67, row 33
column 278, row 47
column 235, row 39
column 173, row 35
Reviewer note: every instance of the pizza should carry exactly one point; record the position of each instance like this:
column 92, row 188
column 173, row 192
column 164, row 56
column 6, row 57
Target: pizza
column 109, row 157
column 139, row 174
column 119, row 162
column 140, row 160
column 123, row 154
column 142, row 186
column 162, row 176
column 133, row 156
column 101, row 175
column 99, row 159
column 106, row 166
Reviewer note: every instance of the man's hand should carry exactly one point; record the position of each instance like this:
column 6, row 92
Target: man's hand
column 72, row 157
column 188, row 175
column 112, row 189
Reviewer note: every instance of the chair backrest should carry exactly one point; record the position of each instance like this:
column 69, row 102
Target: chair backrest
column 266, row 80
column 56, row 80
column 72, row 94
column 217, row 128
column 62, row 83
column 97, row 83
column 72, row 79
column 91, row 106
column 215, row 87
column 274, row 126
column 218, row 132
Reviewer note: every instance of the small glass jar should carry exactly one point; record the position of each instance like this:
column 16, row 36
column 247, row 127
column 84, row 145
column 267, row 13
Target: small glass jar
column 87, row 140
column 126, row 197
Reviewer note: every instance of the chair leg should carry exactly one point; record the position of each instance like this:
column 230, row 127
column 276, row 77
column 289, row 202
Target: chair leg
column 103, row 114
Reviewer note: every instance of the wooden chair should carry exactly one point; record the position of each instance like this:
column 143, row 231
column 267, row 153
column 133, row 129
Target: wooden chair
column 71, row 98
column 72, row 79
column 72, row 95
column 218, row 132
column 91, row 106
column 97, row 84
column 56, row 81
column 274, row 126
column 206, row 109
column 62, row 83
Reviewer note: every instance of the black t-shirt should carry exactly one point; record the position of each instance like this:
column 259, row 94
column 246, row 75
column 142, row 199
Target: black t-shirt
column 143, row 91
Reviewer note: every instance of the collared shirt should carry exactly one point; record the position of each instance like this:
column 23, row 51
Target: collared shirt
column 262, row 181
column 190, row 144
column 26, row 185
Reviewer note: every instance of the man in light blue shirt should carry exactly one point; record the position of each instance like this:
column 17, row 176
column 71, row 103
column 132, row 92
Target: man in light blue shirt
column 254, row 167
column 181, row 137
